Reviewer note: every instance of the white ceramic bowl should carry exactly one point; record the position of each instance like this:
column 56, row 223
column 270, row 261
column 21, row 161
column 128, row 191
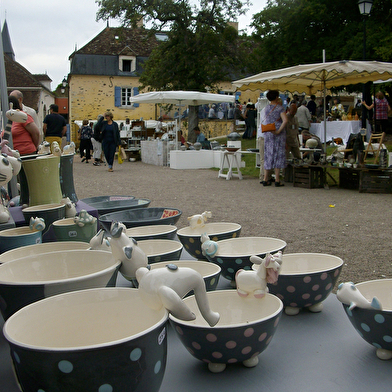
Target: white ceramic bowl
column 36, row 249
column 89, row 340
column 306, row 280
column 152, row 232
column 29, row 279
column 245, row 328
column 161, row 250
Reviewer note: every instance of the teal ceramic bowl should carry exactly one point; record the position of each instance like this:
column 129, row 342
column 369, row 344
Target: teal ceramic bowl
column 17, row 237
column 48, row 212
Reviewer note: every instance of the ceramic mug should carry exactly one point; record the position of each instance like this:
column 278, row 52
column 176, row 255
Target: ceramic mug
column 68, row 230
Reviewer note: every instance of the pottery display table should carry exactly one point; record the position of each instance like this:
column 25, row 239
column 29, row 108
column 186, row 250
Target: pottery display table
column 232, row 159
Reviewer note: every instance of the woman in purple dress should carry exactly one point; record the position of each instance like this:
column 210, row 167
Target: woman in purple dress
column 275, row 141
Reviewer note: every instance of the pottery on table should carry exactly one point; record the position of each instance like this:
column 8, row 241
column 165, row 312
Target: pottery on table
column 161, row 250
column 32, row 278
column 89, row 340
column 190, row 237
column 152, row 232
column 68, row 230
column 17, row 237
column 66, row 177
column 368, row 306
column 37, row 249
column 108, row 204
column 48, row 212
column 245, row 329
column 234, row 254
column 306, row 280
column 141, row 217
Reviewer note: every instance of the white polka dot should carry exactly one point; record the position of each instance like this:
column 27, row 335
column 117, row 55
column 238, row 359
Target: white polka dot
column 16, row 356
column 379, row 318
column 135, row 354
column 65, row 366
column 365, row 327
column 387, row 338
column 157, row 367
column 105, row 388
column 238, row 261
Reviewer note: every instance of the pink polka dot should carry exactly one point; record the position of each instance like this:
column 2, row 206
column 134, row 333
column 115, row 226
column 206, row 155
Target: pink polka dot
column 290, row 289
column 315, row 287
column 206, row 360
column 231, row 344
column 306, row 305
column 328, row 286
column 179, row 330
column 190, row 350
column 305, row 296
column 276, row 321
column 307, row 279
column 280, row 296
column 293, row 305
column 249, row 332
column 232, row 360
column 246, row 350
column 217, row 354
column 196, row 345
column 269, row 340
column 211, row 337
column 318, row 297
column 262, row 336
column 336, row 273
column 324, row 276
column 255, row 354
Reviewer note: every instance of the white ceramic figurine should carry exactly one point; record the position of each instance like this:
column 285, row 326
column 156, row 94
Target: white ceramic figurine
column 348, row 294
column 199, row 220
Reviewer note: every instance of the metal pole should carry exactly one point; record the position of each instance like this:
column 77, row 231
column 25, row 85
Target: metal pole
column 364, row 110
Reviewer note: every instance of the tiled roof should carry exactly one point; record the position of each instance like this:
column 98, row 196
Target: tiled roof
column 117, row 40
column 42, row 77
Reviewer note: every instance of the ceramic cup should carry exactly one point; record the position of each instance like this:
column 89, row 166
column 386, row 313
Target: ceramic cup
column 68, row 230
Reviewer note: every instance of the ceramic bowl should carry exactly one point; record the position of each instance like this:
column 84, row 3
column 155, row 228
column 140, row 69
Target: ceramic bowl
column 108, row 204
column 68, row 230
column 153, row 232
column 374, row 325
column 37, row 249
column 89, row 340
column 17, row 237
column 217, row 231
column 306, row 280
column 141, row 217
column 234, row 254
column 161, row 250
column 49, row 212
column 245, row 329
column 32, row 278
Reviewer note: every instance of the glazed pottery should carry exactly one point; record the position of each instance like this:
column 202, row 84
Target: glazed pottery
column 161, row 250
column 48, row 212
column 17, row 237
column 68, row 230
column 29, row 279
column 190, row 237
column 368, row 306
column 66, row 177
column 101, row 199
column 38, row 249
column 153, row 232
column 43, row 179
column 234, row 254
column 116, row 203
column 306, row 280
column 245, row 329
column 91, row 340
column 141, row 217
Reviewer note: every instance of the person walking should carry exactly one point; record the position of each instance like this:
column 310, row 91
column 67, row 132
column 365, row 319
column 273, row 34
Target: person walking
column 55, row 126
column 96, row 141
column 85, row 135
column 110, row 136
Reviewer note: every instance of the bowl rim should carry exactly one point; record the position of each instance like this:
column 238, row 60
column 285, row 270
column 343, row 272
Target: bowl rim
column 161, row 264
column 23, row 229
column 115, row 264
column 168, row 229
column 107, row 218
column 124, row 197
column 43, row 207
column 155, row 241
column 42, row 302
column 231, row 326
column 181, row 231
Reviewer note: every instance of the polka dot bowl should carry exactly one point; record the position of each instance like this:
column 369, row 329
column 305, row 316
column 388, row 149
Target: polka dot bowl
column 373, row 325
column 234, row 254
column 89, row 340
column 33, row 278
column 245, row 329
column 217, row 231
column 306, row 280
column 161, row 250
column 152, row 232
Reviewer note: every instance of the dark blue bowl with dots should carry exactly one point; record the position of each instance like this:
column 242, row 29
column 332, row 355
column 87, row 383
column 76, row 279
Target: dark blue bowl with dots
column 89, row 340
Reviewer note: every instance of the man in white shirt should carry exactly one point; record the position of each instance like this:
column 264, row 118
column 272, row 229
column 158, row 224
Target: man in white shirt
column 303, row 116
column 30, row 111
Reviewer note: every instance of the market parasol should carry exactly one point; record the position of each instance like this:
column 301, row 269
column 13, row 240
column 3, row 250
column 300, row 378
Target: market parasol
column 310, row 78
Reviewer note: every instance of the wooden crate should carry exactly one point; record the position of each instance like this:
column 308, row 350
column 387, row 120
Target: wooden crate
column 308, row 176
column 289, row 173
column 375, row 181
column 349, row 178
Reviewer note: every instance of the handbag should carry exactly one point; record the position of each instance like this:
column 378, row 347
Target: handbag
column 119, row 157
column 268, row 127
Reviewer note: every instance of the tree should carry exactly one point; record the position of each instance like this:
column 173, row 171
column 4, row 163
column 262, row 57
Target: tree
column 200, row 50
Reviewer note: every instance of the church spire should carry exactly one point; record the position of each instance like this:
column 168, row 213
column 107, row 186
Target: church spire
column 7, row 46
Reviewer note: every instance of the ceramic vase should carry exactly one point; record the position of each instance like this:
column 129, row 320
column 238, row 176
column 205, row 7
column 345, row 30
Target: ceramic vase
column 66, row 177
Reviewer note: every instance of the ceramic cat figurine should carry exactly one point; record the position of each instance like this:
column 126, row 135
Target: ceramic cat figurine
column 70, row 208
column 69, row 149
column 208, row 247
column 199, row 220
column 349, row 295
column 44, row 148
column 15, row 115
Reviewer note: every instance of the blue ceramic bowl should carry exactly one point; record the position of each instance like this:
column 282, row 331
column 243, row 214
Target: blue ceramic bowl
column 109, row 204
column 153, row 232
column 217, row 231
column 234, row 254
column 141, row 217
column 48, row 212
column 245, row 329
column 89, row 340
column 32, row 278
column 306, row 280
column 161, row 250
column 17, row 237
column 373, row 325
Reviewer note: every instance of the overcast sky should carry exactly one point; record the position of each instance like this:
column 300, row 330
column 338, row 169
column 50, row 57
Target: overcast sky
column 45, row 32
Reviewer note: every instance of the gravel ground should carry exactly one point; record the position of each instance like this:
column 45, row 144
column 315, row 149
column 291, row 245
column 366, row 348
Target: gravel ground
column 358, row 228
